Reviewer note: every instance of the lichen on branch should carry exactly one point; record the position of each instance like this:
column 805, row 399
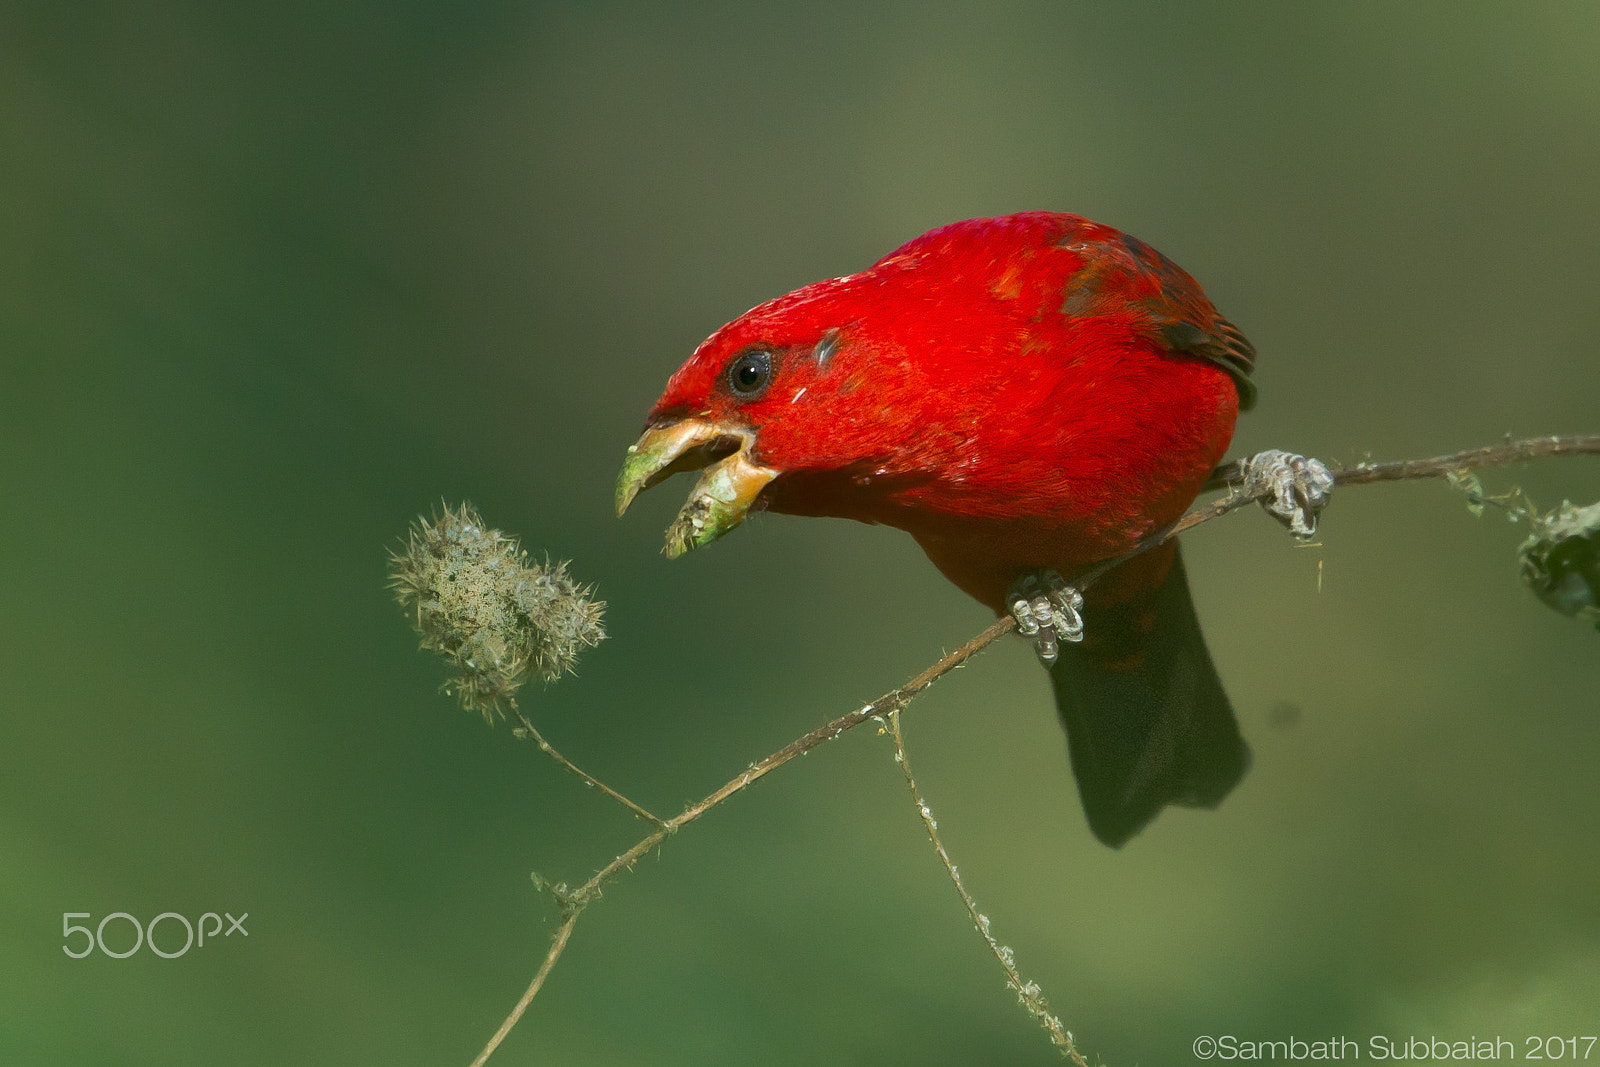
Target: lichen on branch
column 1561, row 560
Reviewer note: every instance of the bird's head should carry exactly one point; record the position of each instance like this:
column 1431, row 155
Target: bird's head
column 772, row 393
column 856, row 396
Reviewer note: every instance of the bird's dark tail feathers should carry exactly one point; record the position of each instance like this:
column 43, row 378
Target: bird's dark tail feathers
column 1147, row 721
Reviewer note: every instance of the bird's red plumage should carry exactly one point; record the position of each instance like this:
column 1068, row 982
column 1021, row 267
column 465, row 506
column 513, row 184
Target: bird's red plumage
column 1022, row 394
column 1033, row 391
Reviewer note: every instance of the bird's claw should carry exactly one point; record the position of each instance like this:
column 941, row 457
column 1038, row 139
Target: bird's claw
column 1299, row 488
column 1048, row 610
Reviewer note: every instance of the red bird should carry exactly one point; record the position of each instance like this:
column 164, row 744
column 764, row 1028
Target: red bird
column 1025, row 396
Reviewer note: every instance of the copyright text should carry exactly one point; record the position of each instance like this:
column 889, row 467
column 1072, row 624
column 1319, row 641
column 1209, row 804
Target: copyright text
column 1388, row 1047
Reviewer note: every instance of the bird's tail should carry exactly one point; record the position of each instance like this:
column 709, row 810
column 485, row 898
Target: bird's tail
column 1147, row 721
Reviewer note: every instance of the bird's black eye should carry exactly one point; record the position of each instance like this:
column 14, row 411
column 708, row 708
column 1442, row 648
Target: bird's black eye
column 750, row 373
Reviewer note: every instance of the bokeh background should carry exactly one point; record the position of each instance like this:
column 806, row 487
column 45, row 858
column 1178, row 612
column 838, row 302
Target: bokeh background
column 275, row 277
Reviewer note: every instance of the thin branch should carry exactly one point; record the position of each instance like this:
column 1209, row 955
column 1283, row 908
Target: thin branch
column 890, row 702
column 1230, row 475
column 895, row 701
column 557, row 944
column 1508, row 451
column 589, row 779
column 1029, row 993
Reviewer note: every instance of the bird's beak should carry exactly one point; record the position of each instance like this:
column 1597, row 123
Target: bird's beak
column 728, row 485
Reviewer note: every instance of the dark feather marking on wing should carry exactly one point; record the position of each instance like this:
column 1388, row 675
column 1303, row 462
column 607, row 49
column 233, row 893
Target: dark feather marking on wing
column 1180, row 314
column 1227, row 348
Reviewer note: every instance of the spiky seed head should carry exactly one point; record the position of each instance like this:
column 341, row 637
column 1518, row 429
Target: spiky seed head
column 474, row 598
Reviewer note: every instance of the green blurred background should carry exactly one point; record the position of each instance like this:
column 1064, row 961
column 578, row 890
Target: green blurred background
column 275, row 277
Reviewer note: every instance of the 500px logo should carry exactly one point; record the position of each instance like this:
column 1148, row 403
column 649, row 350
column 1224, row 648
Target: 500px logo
column 145, row 935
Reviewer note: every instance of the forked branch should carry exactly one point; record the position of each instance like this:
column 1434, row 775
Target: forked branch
column 889, row 706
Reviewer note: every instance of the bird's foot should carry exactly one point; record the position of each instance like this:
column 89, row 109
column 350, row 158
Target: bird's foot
column 1300, row 488
column 1048, row 610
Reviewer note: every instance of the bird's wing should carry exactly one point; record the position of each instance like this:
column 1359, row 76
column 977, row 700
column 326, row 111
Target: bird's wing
column 1121, row 273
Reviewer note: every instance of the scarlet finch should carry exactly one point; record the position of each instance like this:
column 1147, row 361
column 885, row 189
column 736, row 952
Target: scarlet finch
column 1023, row 394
